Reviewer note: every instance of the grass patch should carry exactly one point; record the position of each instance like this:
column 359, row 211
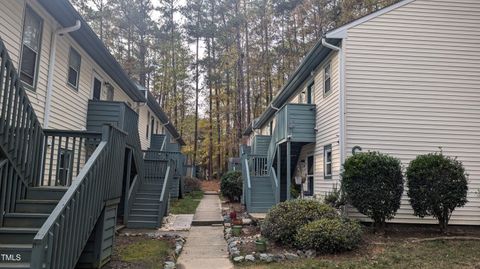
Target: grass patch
column 188, row 204
column 427, row 255
column 148, row 253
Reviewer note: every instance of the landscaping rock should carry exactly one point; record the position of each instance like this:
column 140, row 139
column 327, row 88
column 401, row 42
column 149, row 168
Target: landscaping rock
column 300, row 253
column 250, row 258
column 279, row 257
column 238, row 259
column 291, row 256
column 246, row 221
column 266, row 257
column 310, row 253
column 169, row 265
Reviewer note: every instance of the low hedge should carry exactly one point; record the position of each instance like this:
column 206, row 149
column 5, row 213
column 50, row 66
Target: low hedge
column 283, row 220
column 329, row 235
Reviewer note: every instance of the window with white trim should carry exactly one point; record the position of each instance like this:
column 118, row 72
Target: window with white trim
column 74, row 61
column 32, row 35
column 327, row 79
column 327, row 161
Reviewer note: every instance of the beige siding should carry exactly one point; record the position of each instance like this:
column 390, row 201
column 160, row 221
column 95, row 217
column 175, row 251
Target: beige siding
column 327, row 124
column 413, row 85
column 69, row 105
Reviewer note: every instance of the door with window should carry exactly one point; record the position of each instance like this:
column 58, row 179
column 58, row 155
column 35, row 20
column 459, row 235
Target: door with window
column 97, row 88
column 64, row 167
column 308, row 188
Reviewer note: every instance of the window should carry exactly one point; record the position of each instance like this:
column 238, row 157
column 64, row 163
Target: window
column 152, row 123
column 74, row 61
column 64, row 167
column 97, row 88
column 158, row 124
column 110, row 92
column 310, row 91
column 310, row 173
column 32, row 35
column 148, row 117
column 327, row 159
column 327, row 79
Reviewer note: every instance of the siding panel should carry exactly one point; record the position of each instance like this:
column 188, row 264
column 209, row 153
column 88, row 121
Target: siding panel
column 412, row 86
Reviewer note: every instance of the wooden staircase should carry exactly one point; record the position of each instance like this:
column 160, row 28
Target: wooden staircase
column 144, row 213
column 20, row 227
column 54, row 185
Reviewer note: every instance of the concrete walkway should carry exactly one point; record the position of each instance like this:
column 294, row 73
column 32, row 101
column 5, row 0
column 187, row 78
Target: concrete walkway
column 205, row 247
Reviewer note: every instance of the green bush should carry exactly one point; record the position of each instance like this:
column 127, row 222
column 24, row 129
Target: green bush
column 231, row 185
column 283, row 220
column 192, row 184
column 437, row 184
column 335, row 198
column 329, row 235
column 373, row 184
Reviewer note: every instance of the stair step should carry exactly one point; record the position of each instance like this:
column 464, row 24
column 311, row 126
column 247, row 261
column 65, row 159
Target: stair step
column 46, row 193
column 148, row 195
column 11, row 235
column 142, row 200
column 135, row 217
column 21, row 265
column 12, row 250
column 35, row 206
column 144, row 211
column 145, row 206
column 30, row 220
column 141, row 224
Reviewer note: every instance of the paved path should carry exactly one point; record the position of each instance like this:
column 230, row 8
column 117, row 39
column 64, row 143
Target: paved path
column 205, row 247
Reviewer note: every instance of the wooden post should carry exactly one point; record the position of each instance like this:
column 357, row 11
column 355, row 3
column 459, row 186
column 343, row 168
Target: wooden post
column 289, row 174
column 279, row 178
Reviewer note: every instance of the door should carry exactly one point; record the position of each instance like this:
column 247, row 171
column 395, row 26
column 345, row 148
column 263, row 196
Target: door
column 308, row 188
column 97, row 88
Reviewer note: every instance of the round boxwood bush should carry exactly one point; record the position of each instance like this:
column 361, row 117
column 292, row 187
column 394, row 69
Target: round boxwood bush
column 373, row 184
column 283, row 220
column 231, row 185
column 437, row 184
column 329, row 235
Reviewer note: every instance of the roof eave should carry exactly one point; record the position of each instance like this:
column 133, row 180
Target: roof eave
column 66, row 15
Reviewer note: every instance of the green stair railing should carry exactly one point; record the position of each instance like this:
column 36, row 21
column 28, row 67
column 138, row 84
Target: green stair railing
column 61, row 239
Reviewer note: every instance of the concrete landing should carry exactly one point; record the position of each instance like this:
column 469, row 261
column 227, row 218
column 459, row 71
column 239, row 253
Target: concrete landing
column 209, row 211
column 206, row 247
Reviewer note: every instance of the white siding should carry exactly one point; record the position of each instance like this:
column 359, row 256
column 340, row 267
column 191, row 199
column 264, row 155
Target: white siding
column 69, row 106
column 413, row 85
column 327, row 124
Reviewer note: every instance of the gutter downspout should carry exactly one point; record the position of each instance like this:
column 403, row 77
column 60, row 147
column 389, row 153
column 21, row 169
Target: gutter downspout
column 51, row 68
column 341, row 99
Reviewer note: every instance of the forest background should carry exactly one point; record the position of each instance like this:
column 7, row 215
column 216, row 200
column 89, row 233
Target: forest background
column 215, row 65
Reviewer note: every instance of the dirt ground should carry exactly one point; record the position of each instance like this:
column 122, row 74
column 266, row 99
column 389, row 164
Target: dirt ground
column 211, row 185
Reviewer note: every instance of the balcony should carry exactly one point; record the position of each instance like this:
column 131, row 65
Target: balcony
column 118, row 114
column 297, row 122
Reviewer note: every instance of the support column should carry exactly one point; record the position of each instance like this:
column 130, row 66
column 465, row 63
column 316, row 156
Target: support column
column 289, row 168
column 279, row 178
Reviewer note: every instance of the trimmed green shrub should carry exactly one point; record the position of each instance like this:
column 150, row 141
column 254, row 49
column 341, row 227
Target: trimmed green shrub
column 192, row 184
column 437, row 184
column 335, row 198
column 373, row 184
column 329, row 235
column 283, row 220
column 231, row 185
